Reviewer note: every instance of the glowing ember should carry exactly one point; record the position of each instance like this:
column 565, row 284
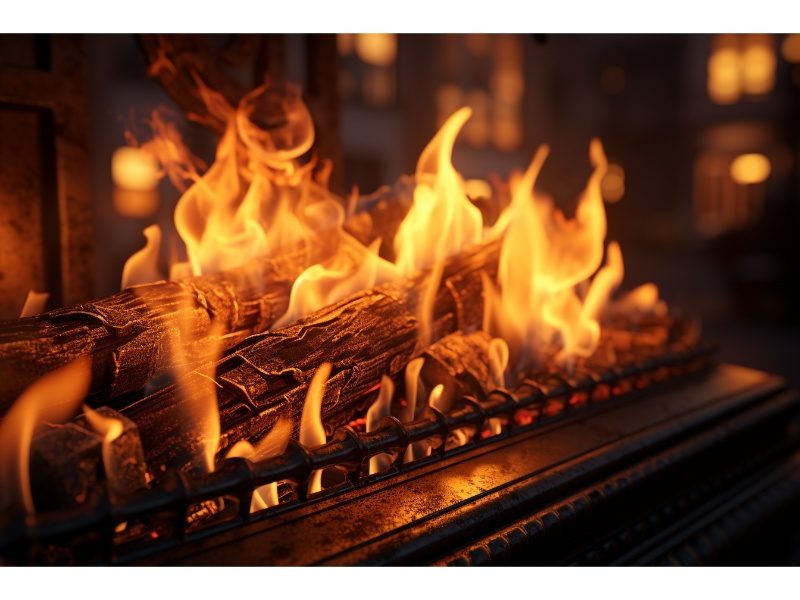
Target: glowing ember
column 312, row 432
column 53, row 399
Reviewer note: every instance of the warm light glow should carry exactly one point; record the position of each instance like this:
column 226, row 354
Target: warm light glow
column 312, row 431
column 134, row 169
column 142, row 266
column 135, row 204
column 790, row 48
column 758, row 65
column 613, row 184
column 724, row 85
column 345, row 42
column 750, row 168
column 379, row 49
column 35, row 303
column 52, row 399
column 477, row 131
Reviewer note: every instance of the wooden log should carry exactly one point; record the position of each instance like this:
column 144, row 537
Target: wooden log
column 371, row 334
column 129, row 334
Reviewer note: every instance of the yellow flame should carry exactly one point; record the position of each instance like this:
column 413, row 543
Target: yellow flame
column 441, row 221
column 545, row 258
column 312, row 431
column 413, row 387
column 378, row 411
column 255, row 199
column 110, row 429
column 142, row 266
column 54, row 398
column 498, row 361
column 352, row 268
column 35, row 303
column 273, row 444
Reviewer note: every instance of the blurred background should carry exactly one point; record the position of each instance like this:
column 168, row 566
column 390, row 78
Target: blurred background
column 703, row 133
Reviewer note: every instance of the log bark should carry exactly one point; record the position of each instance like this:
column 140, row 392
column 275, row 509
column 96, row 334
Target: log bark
column 371, row 334
column 129, row 334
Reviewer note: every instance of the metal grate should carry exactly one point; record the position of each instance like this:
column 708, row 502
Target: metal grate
column 177, row 507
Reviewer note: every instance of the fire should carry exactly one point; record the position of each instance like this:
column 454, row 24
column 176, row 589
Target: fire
column 312, row 432
column 142, row 266
column 255, row 199
column 54, row 398
column 273, row 444
column 353, row 268
column 110, row 429
column 379, row 410
column 546, row 295
column 442, row 221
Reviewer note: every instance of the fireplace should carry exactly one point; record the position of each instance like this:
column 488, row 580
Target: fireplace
column 448, row 370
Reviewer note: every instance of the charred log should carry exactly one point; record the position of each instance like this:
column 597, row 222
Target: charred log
column 371, row 334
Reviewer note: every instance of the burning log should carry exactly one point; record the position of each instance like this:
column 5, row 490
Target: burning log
column 371, row 334
column 128, row 334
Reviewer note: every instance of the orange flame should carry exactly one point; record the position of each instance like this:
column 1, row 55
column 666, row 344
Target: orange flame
column 142, row 266
column 110, row 429
column 352, row 268
column 545, row 257
column 379, row 410
column 312, row 432
column 273, row 444
column 54, row 398
column 255, row 199
column 442, row 221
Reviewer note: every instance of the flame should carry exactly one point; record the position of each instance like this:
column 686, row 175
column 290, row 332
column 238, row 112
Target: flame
column 110, row 429
column 544, row 261
column 352, row 268
column 255, row 199
column 142, row 266
column 54, row 398
column 198, row 412
column 441, row 221
column 273, row 444
column 312, row 432
column 379, row 410
column 35, row 303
